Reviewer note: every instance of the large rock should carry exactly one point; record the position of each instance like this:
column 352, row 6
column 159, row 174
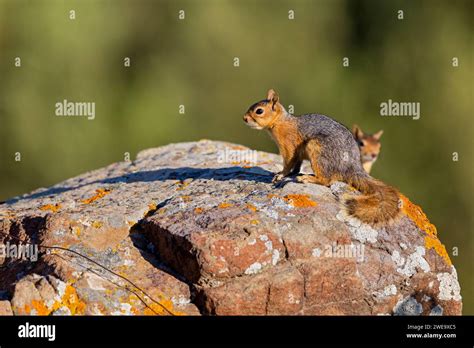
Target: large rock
column 198, row 228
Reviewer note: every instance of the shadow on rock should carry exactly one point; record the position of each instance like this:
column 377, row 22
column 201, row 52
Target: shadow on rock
column 256, row 174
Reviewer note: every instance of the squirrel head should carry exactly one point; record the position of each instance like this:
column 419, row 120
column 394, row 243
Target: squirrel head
column 264, row 114
column 369, row 144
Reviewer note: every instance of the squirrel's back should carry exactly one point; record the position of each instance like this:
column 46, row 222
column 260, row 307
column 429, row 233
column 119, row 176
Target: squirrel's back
column 340, row 153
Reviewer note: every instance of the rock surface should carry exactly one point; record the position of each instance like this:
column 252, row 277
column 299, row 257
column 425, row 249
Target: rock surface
column 198, row 228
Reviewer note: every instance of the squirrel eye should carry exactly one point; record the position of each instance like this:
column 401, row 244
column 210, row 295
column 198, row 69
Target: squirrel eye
column 360, row 143
column 259, row 111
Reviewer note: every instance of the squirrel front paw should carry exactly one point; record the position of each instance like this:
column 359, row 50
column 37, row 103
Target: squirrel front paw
column 278, row 177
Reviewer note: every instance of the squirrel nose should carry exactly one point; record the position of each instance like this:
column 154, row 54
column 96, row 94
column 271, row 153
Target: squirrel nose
column 246, row 120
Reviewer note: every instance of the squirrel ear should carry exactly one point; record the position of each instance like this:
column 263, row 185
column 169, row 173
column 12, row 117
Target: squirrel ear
column 357, row 131
column 272, row 96
column 378, row 134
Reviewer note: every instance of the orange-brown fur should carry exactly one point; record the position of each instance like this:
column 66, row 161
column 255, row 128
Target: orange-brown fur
column 369, row 146
column 289, row 142
column 369, row 207
column 378, row 204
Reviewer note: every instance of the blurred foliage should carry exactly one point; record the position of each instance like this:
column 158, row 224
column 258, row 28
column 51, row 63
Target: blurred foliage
column 190, row 62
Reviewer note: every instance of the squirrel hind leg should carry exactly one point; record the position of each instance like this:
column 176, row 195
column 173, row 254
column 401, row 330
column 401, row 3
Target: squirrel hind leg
column 313, row 153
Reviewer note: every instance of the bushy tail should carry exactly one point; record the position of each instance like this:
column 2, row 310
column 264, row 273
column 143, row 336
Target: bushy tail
column 378, row 204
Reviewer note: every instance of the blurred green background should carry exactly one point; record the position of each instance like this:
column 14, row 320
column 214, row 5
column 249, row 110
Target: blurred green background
column 191, row 62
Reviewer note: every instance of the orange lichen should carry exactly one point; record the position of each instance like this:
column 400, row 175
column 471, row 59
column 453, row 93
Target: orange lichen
column 70, row 300
column 254, row 222
column 157, row 308
column 300, row 201
column 416, row 214
column 135, row 311
column 53, row 207
column 40, row 307
column 76, row 230
column 27, row 308
column 152, row 206
column 436, row 245
column 97, row 224
column 132, row 300
column 243, row 163
column 198, row 210
column 186, row 198
column 99, row 194
column 419, row 218
column 182, row 185
column 225, row 205
column 7, row 215
column 251, row 207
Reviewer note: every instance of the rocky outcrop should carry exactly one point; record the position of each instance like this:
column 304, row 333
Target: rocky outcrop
column 198, row 228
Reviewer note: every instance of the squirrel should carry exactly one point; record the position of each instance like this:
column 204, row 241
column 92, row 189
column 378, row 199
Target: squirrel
column 334, row 156
column 369, row 146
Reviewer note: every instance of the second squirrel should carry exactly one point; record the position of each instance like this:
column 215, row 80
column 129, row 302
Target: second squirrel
column 333, row 153
column 369, row 146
